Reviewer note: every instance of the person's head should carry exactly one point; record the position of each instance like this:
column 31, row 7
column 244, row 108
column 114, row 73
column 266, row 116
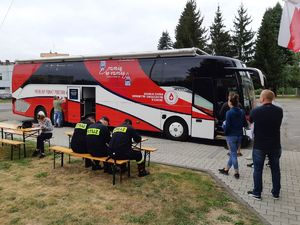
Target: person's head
column 104, row 120
column 41, row 115
column 230, row 94
column 91, row 117
column 127, row 122
column 266, row 96
column 233, row 100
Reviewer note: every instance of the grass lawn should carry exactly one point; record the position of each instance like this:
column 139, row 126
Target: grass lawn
column 32, row 192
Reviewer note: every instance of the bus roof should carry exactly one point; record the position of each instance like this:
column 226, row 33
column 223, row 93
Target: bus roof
column 132, row 55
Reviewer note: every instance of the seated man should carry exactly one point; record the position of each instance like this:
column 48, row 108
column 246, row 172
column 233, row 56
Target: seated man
column 78, row 142
column 47, row 128
column 121, row 145
column 97, row 140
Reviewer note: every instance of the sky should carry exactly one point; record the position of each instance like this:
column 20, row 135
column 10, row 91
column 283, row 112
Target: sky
column 95, row 27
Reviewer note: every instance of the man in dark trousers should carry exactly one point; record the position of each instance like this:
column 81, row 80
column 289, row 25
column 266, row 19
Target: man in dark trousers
column 78, row 142
column 121, row 145
column 97, row 140
column 267, row 120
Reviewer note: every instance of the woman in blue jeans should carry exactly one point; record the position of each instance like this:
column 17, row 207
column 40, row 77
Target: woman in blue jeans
column 233, row 128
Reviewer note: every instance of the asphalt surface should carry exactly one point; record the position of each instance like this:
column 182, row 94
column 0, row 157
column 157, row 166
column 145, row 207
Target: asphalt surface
column 210, row 156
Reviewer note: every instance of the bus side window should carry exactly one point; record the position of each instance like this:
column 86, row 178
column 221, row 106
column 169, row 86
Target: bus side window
column 203, row 95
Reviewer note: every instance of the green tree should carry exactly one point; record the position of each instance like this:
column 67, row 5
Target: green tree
column 243, row 36
column 189, row 31
column 221, row 43
column 291, row 73
column 269, row 57
column 165, row 41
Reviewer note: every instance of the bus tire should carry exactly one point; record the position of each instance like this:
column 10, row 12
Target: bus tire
column 176, row 129
column 38, row 109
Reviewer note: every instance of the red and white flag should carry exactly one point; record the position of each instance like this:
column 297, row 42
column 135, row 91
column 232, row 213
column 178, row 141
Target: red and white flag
column 289, row 32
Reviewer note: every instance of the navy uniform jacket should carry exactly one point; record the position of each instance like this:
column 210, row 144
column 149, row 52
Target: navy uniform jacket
column 121, row 141
column 78, row 142
column 97, row 139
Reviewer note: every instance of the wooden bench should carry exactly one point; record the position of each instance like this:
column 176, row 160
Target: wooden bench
column 147, row 152
column 14, row 145
column 60, row 150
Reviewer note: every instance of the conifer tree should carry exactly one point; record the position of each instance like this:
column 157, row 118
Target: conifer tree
column 165, row 41
column 221, row 43
column 189, row 31
column 243, row 36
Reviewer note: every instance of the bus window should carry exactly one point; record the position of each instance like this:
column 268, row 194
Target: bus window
column 248, row 91
column 203, row 95
column 174, row 72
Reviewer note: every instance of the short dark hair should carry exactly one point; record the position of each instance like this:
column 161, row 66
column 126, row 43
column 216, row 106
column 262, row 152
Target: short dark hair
column 105, row 118
column 127, row 121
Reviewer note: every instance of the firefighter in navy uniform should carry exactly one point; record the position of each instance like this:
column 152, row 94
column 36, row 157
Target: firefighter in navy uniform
column 97, row 140
column 120, row 145
column 78, row 142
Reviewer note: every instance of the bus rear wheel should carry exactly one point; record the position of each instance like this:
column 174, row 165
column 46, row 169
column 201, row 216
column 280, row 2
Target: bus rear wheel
column 176, row 129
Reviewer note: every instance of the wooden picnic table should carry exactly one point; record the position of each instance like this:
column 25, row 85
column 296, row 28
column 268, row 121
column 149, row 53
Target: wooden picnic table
column 12, row 129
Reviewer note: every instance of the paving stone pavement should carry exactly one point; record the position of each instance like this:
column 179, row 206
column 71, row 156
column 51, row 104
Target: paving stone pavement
column 209, row 157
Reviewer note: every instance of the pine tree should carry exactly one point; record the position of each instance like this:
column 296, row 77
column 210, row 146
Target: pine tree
column 269, row 57
column 189, row 31
column 243, row 36
column 165, row 41
column 220, row 38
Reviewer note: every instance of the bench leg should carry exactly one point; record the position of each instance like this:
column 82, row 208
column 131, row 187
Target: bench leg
column 62, row 160
column 120, row 174
column 54, row 156
column 128, row 171
column 11, row 152
column 114, row 173
column 19, row 147
column 148, row 158
column 24, row 151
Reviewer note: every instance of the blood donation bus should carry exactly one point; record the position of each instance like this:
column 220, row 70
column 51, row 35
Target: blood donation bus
column 178, row 92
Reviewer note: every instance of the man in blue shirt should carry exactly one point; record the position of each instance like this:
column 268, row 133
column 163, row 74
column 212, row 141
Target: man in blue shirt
column 267, row 120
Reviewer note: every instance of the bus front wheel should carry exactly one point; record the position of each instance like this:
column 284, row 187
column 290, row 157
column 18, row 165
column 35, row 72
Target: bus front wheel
column 176, row 129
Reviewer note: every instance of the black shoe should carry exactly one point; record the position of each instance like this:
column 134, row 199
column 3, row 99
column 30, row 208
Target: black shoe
column 275, row 197
column 250, row 165
column 35, row 153
column 143, row 173
column 239, row 154
column 268, row 164
column 228, row 153
column 96, row 167
column 257, row 197
column 237, row 176
column 226, row 147
column 42, row 156
column 223, row 171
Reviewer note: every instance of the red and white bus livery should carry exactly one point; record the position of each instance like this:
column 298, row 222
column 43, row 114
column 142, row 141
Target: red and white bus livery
column 177, row 92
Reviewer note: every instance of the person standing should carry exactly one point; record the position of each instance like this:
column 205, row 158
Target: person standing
column 267, row 120
column 58, row 113
column 97, row 140
column 78, row 142
column 225, row 107
column 47, row 128
column 121, row 145
column 233, row 127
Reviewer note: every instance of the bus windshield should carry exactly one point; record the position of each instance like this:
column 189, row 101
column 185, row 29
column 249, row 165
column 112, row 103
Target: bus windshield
column 248, row 91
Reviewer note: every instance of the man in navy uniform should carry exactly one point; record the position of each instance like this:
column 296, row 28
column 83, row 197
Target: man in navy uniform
column 97, row 140
column 121, row 145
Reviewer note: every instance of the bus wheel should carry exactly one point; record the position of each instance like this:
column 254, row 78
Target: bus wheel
column 176, row 129
column 39, row 108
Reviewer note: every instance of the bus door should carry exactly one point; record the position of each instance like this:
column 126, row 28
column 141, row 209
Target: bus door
column 88, row 101
column 73, row 104
column 203, row 124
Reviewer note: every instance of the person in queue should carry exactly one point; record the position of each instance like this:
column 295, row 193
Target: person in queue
column 47, row 128
column 121, row 145
column 233, row 127
column 267, row 120
column 78, row 142
column 58, row 111
column 225, row 107
column 97, row 140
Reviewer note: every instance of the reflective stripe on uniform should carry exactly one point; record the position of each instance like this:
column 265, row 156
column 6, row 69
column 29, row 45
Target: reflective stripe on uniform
column 93, row 131
column 120, row 129
column 81, row 126
column 139, row 162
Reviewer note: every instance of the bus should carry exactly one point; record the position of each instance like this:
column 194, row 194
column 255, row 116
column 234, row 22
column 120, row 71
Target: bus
column 178, row 92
